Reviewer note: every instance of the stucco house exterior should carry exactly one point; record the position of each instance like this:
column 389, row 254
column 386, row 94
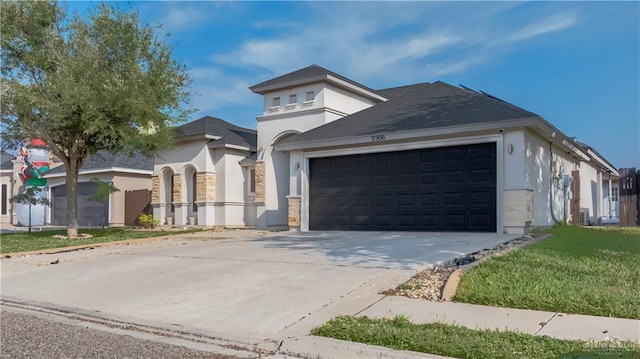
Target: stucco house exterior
column 126, row 172
column 7, row 183
column 333, row 154
column 207, row 177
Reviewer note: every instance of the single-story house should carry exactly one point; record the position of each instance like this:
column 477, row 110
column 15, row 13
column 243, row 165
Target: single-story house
column 207, row 178
column 333, row 154
column 130, row 174
column 6, row 187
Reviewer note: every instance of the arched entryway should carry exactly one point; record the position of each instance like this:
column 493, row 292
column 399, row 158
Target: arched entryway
column 278, row 170
column 166, row 198
column 191, row 194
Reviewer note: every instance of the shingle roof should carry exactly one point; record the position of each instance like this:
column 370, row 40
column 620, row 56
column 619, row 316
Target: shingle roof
column 394, row 92
column 310, row 73
column 429, row 106
column 586, row 147
column 228, row 133
column 104, row 160
column 5, row 161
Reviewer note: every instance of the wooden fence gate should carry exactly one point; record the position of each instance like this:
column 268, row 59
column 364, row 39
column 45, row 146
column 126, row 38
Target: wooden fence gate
column 629, row 204
column 136, row 203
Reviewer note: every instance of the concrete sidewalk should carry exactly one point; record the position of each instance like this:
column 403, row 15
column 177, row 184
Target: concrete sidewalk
column 552, row 324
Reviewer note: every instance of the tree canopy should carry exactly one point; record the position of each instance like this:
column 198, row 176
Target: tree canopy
column 105, row 80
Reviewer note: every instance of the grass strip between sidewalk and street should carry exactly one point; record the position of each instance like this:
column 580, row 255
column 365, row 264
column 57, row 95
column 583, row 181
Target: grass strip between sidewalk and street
column 592, row 271
column 460, row 342
column 39, row 240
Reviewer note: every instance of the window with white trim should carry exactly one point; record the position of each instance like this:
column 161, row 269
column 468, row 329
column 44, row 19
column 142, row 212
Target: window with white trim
column 614, row 194
column 311, row 95
column 275, row 102
column 293, row 99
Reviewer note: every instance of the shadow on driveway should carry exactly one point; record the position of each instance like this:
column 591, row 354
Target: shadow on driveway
column 411, row 250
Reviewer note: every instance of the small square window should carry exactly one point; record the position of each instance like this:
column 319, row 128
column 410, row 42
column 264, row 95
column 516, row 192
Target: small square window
column 275, row 102
column 293, row 99
column 310, row 95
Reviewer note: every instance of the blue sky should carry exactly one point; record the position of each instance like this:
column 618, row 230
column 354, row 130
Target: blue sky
column 577, row 64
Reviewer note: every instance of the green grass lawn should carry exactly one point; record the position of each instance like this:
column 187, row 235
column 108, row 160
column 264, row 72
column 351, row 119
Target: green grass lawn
column 23, row 241
column 578, row 270
column 461, row 342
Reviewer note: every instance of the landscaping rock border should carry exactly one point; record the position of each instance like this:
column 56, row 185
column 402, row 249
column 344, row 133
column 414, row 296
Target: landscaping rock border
column 440, row 283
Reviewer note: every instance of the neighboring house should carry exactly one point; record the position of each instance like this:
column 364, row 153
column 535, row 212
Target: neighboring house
column 130, row 174
column 333, row 154
column 7, row 183
column 600, row 197
column 207, row 178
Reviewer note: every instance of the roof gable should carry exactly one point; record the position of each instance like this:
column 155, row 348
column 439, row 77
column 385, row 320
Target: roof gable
column 5, row 161
column 310, row 74
column 218, row 130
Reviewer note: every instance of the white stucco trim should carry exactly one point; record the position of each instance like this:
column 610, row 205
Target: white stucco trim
column 304, row 173
column 213, row 145
column 292, row 114
column 321, row 78
column 103, row 170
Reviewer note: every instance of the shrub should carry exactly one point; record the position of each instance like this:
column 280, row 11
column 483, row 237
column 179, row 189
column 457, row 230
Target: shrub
column 147, row 221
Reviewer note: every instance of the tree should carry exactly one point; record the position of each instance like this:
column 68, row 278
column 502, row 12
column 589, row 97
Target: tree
column 102, row 81
column 30, row 197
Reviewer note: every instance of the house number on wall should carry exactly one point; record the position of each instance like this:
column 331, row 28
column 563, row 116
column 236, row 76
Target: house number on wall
column 377, row 138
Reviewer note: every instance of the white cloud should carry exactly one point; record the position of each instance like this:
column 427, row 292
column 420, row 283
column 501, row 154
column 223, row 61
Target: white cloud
column 185, row 16
column 213, row 89
column 551, row 24
column 380, row 43
column 435, row 70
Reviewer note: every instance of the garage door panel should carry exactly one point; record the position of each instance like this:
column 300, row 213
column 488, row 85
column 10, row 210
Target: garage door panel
column 454, row 220
column 90, row 213
column 432, row 189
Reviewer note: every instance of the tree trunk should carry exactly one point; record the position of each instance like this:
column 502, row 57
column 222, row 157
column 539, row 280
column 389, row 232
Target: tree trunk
column 29, row 218
column 72, row 196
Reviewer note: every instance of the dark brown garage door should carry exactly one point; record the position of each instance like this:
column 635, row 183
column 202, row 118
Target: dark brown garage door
column 435, row 189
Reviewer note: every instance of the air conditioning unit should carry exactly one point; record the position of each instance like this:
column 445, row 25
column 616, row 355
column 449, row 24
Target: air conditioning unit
column 584, row 216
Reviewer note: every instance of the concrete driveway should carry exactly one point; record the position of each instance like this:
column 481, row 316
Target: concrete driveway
column 247, row 284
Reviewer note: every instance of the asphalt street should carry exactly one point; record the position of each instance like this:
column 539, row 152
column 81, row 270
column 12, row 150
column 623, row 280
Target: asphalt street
column 28, row 336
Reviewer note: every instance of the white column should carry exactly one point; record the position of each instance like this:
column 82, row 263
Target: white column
column 598, row 208
column 609, row 198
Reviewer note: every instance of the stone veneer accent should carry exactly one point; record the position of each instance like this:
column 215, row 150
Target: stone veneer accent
column 155, row 189
column 177, row 188
column 205, row 187
column 260, row 186
column 518, row 208
column 294, row 211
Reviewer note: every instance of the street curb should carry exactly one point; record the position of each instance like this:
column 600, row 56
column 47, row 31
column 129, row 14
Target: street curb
column 91, row 246
column 451, row 286
column 221, row 343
